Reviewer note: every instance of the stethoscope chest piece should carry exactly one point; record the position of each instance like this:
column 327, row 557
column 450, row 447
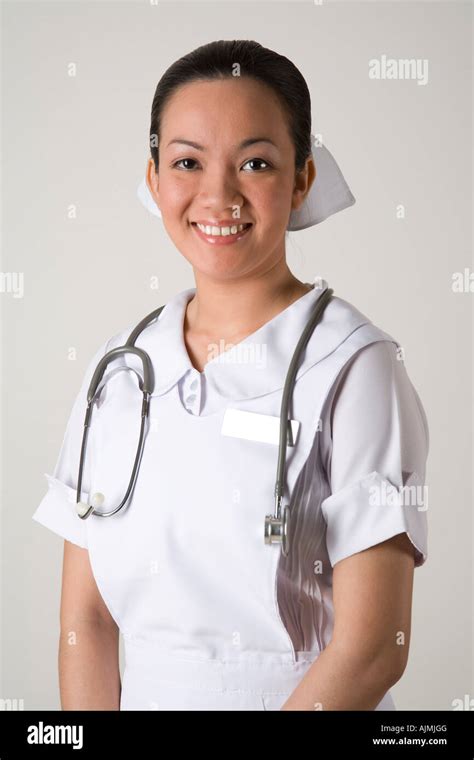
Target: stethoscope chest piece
column 277, row 530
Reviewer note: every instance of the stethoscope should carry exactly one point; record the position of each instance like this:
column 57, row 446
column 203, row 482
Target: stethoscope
column 276, row 525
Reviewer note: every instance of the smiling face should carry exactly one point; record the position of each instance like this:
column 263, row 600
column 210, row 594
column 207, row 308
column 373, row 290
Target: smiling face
column 226, row 158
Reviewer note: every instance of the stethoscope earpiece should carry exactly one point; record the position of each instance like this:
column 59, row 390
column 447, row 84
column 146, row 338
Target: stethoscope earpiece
column 83, row 510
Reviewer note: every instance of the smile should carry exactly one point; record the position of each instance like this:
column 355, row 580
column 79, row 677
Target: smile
column 221, row 235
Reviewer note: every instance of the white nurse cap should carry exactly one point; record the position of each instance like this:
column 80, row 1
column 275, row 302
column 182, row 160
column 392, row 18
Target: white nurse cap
column 329, row 192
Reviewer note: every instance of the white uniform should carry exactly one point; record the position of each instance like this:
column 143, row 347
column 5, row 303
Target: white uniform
column 212, row 618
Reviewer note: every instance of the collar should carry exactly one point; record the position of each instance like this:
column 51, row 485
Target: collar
column 257, row 365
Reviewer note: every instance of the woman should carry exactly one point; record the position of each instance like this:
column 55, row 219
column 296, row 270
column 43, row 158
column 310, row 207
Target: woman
column 213, row 618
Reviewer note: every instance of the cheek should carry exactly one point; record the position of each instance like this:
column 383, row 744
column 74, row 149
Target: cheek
column 273, row 199
column 175, row 196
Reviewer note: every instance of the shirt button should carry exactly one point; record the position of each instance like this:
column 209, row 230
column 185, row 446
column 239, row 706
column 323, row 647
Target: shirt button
column 193, row 385
column 191, row 399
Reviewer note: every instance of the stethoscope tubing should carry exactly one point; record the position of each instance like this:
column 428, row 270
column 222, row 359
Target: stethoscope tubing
column 276, row 525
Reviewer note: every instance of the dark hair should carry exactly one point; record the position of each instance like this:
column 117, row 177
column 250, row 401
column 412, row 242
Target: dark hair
column 218, row 60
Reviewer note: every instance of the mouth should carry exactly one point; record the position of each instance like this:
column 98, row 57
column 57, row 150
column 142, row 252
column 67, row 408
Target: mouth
column 221, row 235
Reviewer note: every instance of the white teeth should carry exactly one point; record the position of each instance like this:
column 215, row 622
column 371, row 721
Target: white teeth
column 221, row 231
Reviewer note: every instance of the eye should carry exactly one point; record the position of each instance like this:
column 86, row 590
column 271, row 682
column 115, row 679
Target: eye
column 192, row 160
column 258, row 161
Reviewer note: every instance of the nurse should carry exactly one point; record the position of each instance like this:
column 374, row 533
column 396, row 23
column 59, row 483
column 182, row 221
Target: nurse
column 212, row 617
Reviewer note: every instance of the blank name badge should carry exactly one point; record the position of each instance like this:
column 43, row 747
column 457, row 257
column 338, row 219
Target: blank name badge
column 252, row 426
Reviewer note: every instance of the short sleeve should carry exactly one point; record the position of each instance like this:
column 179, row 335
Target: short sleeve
column 57, row 510
column 375, row 445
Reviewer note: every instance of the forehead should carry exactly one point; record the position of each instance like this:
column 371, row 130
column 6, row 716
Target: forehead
column 212, row 108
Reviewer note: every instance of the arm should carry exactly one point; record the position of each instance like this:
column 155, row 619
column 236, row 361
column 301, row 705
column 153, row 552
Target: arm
column 89, row 674
column 376, row 426
column 368, row 652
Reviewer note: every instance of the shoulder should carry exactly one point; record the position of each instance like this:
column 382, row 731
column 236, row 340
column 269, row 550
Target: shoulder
column 371, row 354
column 345, row 317
column 115, row 340
column 375, row 358
column 121, row 337
column 166, row 313
column 372, row 391
column 344, row 337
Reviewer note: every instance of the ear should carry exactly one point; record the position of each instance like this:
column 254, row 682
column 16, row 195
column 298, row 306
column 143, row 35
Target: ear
column 152, row 181
column 303, row 181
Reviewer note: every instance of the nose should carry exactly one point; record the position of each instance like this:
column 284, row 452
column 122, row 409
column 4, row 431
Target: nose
column 219, row 191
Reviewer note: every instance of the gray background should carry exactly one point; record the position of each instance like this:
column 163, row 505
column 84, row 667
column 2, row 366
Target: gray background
column 83, row 141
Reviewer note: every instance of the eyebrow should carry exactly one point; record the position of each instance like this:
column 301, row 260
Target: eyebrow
column 244, row 144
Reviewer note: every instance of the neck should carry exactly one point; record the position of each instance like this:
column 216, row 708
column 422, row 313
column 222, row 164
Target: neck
column 241, row 306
